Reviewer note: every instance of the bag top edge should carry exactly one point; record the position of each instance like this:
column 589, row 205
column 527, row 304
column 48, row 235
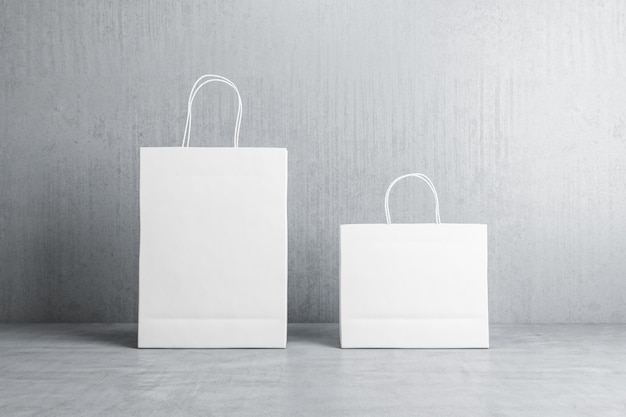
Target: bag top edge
column 209, row 147
column 412, row 224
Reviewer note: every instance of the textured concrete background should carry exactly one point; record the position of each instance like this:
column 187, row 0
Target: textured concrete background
column 517, row 111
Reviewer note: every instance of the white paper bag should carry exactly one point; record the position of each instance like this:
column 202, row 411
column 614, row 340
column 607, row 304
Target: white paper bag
column 213, row 255
column 414, row 285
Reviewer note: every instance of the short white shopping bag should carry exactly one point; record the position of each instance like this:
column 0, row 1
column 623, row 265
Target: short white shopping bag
column 414, row 285
column 213, row 255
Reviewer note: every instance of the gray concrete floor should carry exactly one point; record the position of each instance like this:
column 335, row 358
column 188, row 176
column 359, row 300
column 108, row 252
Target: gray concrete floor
column 95, row 370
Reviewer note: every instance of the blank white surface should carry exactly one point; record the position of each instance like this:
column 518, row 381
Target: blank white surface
column 213, row 256
column 414, row 285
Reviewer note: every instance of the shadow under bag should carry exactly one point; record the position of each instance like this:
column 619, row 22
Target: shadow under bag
column 213, row 254
column 414, row 285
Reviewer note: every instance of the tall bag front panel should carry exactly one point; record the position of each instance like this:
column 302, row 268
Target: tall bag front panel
column 414, row 285
column 213, row 254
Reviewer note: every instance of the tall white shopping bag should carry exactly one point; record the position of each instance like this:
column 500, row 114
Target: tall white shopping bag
column 213, row 252
column 414, row 285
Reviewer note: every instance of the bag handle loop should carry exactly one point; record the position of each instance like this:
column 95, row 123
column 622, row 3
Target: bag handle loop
column 427, row 181
column 202, row 81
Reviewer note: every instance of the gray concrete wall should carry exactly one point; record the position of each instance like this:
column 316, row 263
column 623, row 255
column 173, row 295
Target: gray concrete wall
column 517, row 111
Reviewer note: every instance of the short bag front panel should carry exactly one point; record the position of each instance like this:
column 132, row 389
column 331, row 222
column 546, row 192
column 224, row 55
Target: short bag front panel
column 414, row 285
column 213, row 257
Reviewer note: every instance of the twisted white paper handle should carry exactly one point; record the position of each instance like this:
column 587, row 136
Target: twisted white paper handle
column 425, row 179
column 205, row 79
